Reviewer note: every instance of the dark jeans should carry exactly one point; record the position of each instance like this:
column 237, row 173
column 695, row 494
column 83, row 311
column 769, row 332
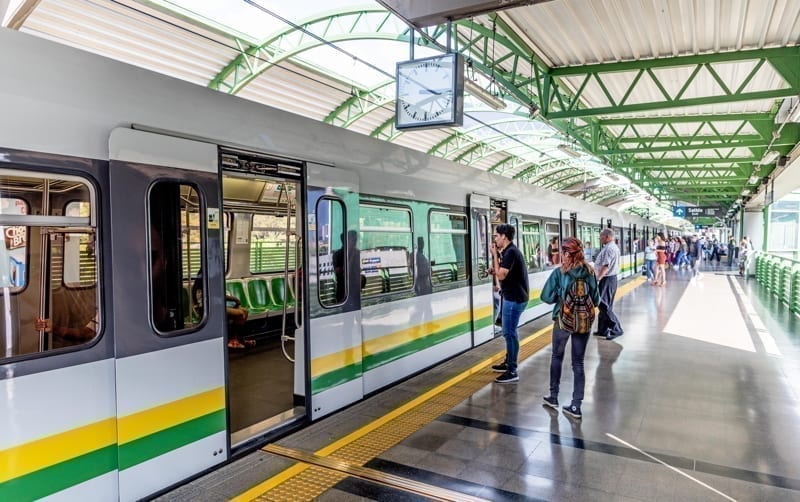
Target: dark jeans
column 511, row 314
column 607, row 320
column 579, row 343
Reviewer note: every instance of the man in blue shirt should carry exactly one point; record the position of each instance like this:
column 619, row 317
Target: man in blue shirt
column 513, row 275
column 607, row 266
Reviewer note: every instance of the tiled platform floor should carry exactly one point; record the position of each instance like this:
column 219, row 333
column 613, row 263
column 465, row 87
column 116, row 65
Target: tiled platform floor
column 699, row 400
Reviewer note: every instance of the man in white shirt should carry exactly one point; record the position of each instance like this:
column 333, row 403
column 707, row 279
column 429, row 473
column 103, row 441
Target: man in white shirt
column 607, row 266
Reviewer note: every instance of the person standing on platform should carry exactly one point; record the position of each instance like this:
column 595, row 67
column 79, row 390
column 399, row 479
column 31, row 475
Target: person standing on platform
column 650, row 260
column 513, row 275
column 607, row 264
column 694, row 254
column 574, row 291
column 731, row 249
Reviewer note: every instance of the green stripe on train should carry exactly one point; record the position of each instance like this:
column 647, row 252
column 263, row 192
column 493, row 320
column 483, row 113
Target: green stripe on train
column 161, row 442
column 61, row 476
column 336, row 377
column 353, row 371
column 435, row 338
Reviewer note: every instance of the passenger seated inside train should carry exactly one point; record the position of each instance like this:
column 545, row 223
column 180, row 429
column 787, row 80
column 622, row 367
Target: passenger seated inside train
column 80, row 334
column 235, row 313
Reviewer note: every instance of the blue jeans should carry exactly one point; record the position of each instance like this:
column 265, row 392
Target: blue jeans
column 651, row 269
column 511, row 314
column 579, row 342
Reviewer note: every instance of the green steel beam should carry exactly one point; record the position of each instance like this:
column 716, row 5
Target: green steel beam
column 361, row 103
column 671, row 119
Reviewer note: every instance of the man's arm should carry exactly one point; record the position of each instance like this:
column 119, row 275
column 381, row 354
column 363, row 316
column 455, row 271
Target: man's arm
column 602, row 272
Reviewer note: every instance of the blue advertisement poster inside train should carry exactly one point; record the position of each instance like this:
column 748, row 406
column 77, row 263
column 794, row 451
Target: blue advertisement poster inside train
column 12, row 251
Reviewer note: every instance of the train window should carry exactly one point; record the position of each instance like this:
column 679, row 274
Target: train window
column 386, row 249
column 553, row 244
column 332, row 248
column 531, row 245
column 621, row 240
column 447, row 248
column 591, row 241
column 268, row 240
column 48, row 263
column 177, row 242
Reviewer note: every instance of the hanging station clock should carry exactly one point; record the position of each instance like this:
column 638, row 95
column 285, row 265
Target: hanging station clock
column 430, row 92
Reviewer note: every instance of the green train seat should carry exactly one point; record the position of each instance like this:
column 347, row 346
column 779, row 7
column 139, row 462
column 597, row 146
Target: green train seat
column 260, row 297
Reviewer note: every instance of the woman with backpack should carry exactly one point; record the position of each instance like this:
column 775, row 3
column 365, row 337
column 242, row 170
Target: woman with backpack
column 573, row 290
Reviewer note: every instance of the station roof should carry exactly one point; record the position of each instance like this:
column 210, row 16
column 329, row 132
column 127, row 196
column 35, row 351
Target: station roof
column 634, row 104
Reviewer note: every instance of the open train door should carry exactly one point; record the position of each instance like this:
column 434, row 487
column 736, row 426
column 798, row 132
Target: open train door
column 170, row 351
column 481, row 298
column 334, row 355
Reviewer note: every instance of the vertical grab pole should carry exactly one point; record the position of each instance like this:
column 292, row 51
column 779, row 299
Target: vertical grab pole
column 284, row 336
column 44, row 277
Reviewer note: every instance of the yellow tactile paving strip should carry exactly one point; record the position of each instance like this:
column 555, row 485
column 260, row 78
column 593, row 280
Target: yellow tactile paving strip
column 306, row 482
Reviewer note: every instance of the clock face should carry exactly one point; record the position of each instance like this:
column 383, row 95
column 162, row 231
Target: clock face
column 428, row 93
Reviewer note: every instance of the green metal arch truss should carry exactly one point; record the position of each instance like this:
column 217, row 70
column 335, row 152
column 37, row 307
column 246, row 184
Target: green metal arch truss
column 559, row 93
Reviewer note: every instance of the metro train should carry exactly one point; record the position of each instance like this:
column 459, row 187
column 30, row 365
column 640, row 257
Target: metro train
column 139, row 210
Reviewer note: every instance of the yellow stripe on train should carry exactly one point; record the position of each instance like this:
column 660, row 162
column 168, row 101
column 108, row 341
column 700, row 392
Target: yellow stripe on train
column 35, row 455
column 146, row 422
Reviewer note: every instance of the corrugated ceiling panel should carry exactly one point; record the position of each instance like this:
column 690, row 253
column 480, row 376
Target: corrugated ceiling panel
column 582, row 32
column 118, row 32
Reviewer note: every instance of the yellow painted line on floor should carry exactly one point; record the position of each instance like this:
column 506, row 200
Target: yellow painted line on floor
column 276, row 480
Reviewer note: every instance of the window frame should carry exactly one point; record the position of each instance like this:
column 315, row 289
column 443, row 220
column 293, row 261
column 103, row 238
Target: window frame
column 523, row 234
column 347, row 292
column 203, row 231
column 365, row 229
column 58, row 221
column 443, row 286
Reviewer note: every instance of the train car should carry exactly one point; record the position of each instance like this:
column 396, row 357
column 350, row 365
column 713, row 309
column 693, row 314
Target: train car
column 186, row 274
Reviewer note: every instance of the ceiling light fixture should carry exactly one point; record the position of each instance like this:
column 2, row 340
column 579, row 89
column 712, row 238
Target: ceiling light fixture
column 769, row 157
column 753, row 179
column 794, row 116
column 483, row 95
column 569, row 151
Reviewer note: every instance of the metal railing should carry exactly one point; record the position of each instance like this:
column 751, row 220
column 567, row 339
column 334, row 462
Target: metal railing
column 781, row 276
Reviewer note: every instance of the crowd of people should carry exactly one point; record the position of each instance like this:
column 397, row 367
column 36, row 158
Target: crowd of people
column 689, row 251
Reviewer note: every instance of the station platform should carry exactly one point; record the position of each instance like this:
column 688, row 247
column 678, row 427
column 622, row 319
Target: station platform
column 698, row 400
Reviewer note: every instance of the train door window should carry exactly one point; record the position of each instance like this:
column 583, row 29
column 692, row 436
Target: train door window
column 553, row 245
column 268, row 240
column 482, row 247
column 619, row 238
column 590, row 238
column 48, row 263
column 332, row 251
column 177, row 242
column 447, row 249
column 532, row 246
column 386, row 249
column 514, row 222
